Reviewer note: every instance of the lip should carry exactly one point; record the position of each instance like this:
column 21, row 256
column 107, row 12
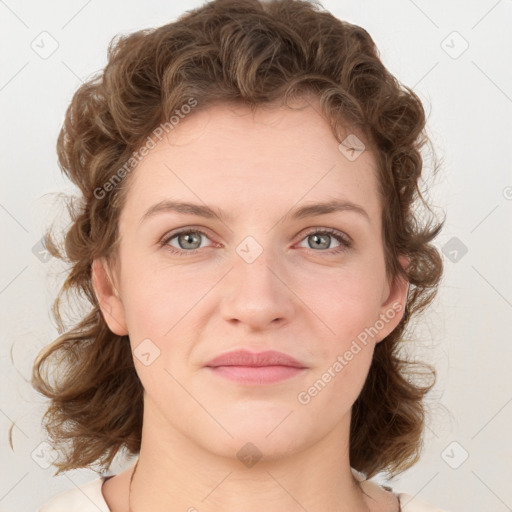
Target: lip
column 255, row 359
column 261, row 368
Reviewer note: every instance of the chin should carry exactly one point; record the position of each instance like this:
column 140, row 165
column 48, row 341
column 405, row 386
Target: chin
column 265, row 439
column 253, row 448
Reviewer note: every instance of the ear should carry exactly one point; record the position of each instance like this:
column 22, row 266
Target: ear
column 108, row 297
column 393, row 308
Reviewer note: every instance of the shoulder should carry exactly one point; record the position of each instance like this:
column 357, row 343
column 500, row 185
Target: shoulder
column 84, row 498
column 409, row 503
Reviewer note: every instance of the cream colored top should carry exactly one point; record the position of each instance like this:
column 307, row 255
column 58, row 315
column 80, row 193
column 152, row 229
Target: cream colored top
column 89, row 498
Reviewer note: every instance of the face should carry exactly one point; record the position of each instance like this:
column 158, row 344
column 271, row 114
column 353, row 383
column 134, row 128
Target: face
column 190, row 287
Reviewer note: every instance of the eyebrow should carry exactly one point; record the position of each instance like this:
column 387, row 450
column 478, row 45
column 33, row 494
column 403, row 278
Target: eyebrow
column 309, row 210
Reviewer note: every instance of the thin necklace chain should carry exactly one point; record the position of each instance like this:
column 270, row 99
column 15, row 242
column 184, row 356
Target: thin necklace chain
column 130, row 489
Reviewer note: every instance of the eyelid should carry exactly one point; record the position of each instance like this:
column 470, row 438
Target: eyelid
column 178, row 231
column 331, row 231
column 345, row 240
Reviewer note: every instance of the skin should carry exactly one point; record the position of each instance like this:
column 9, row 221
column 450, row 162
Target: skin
column 294, row 297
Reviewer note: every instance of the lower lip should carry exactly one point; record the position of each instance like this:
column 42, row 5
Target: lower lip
column 256, row 374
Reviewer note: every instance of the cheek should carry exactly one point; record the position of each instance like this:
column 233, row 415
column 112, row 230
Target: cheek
column 157, row 297
column 348, row 307
column 164, row 312
column 333, row 387
column 347, row 303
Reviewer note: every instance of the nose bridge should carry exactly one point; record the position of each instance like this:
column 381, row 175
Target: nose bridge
column 256, row 292
column 255, row 263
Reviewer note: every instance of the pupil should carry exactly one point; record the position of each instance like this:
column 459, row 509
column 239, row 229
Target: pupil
column 189, row 238
column 318, row 239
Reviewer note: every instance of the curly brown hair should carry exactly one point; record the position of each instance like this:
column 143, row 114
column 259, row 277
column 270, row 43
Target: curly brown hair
column 256, row 53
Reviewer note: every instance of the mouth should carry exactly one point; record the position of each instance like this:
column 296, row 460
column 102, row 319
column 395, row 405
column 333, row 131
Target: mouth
column 258, row 375
column 261, row 368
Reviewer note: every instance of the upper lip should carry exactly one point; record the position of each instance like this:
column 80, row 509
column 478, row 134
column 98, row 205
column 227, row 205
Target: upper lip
column 247, row 358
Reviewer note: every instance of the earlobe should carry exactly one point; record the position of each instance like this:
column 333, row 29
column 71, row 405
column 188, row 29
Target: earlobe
column 394, row 308
column 108, row 297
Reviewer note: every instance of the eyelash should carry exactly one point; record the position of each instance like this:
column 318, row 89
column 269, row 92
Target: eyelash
column 345, row 242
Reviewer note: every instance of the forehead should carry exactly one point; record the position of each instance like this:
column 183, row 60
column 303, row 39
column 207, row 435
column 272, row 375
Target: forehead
column 230, row 157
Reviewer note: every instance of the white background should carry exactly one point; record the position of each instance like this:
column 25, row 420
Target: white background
column 466, row 334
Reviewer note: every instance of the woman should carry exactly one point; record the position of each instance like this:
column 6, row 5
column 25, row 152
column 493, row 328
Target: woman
column 248, row 239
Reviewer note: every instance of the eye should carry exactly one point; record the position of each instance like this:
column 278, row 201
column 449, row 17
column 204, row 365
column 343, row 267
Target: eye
column 188, row 241
column 322, row 238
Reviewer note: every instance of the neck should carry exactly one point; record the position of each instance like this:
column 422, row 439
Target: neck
column 173, row 473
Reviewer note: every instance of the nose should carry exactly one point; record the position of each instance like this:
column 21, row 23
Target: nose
column 257, row 293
